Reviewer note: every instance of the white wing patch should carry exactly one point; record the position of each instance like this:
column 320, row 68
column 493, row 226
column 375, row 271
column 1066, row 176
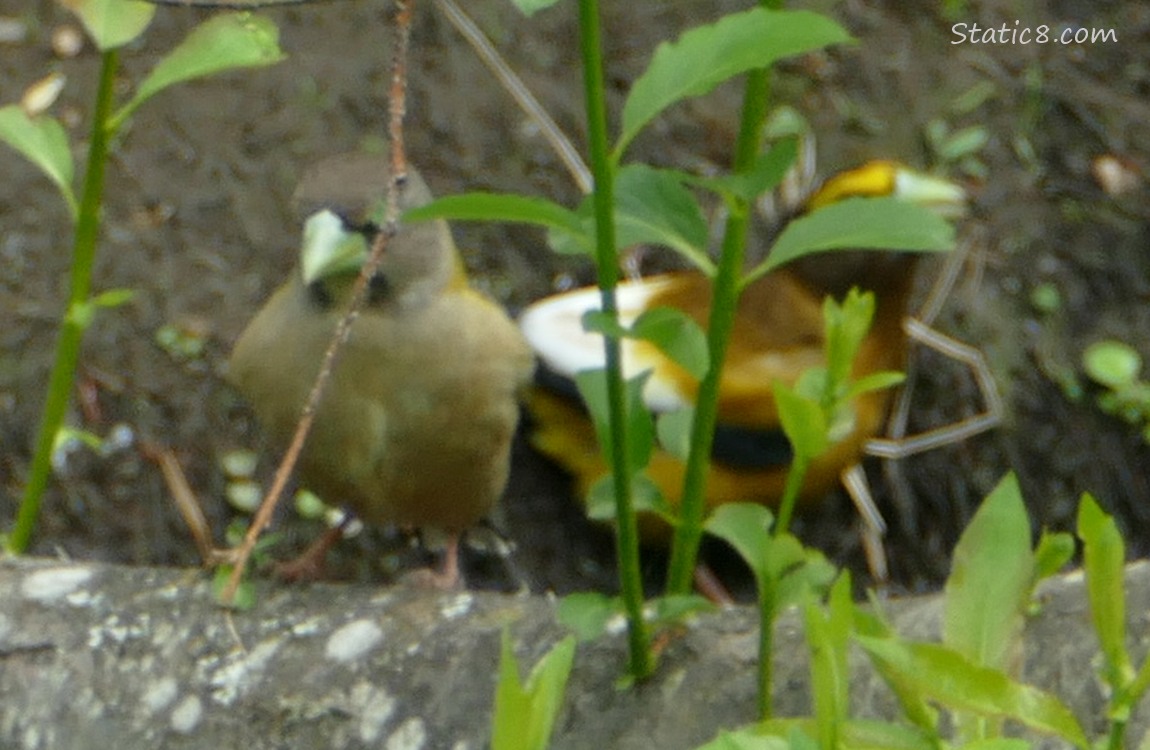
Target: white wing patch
column 554, row 328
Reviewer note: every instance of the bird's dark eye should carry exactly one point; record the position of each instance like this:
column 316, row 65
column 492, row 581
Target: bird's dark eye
column 378, row 289
column 319, row 295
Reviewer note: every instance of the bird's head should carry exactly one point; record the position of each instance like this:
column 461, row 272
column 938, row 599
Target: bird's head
column 835, row 273
column 882, row 178
column 344, row 199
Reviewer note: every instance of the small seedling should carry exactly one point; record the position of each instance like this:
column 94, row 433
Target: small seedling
column 1118, row 367
column 525, row 713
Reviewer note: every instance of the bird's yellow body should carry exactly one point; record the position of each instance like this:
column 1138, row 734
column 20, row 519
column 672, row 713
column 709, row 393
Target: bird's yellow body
column 778, row 334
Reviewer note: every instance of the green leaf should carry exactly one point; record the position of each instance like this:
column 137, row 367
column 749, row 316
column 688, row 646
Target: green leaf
column 239, row 464
column 989, row 589
column 859, row 224
column 914, row 705
column 511, row 720
column 574, row 242
column 645, row 498
column 991, row 579
column 814, row 384
column 598, row 321
column 827, row 633
column 1112, row 363
column 1137, row 687
column 640, row 427
column 779, row 562
column 764, row 174
column 786, row 122
column 1046, row 298
column 224, row 42
column 798, row 572
column 674, row 431
column 749, row 738
column 179, row 342
column 800, row 740
column 244, row 495
column 245, row 597
column 666, row 610
column 1104, row 555
column 508, row 207
column 653, row 207
column 803, row 421
column 80, row 314
column 43, row 141
column 973, row 98
column 309, row 505
column 747, row 528
column 705, row 56
column 524, row 715
column 846, row 327
column 67, row 435
column 997, row 743
column 588, row 614
column 531, row 7
column 114, row 298
column 944, row 675
column 963, row 143
column 871, row 733
column 112, row 23
column 568, row 231
column 1053, row 552
column 677, row 335
column 876, row 381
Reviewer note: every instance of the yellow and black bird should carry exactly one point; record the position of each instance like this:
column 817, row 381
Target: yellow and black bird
column 778, row 334
column 416, row 423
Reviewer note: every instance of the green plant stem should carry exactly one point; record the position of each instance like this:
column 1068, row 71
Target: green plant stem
column 1117, row 738
column 627, row 532
column 689, row 532
column 765, row 674
column 76, row 317
column 795, row 476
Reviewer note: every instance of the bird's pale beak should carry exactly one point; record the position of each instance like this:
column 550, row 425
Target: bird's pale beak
column 330, row 248
column 945, row 198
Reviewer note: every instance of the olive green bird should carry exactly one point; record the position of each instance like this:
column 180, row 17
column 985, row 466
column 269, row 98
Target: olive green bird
column 416, row 423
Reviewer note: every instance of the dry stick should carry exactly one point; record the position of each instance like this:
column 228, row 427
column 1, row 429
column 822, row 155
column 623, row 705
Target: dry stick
column 518, row 91
column 396, row 110
column 918, row 327
column 186, row 501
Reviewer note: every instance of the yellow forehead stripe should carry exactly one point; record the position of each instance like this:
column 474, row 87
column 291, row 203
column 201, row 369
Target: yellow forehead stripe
column 872, row 180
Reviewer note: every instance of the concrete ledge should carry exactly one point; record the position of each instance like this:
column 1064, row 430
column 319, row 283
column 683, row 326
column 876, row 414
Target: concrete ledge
column 102, row 656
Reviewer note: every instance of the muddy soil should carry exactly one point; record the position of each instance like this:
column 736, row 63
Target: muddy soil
column 198, row 223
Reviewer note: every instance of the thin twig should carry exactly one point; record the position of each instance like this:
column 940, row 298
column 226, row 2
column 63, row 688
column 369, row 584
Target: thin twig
column 397, row 108
column 186, row 501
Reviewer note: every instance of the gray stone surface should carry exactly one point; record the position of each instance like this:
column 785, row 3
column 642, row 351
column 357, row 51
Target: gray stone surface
column 100, row 656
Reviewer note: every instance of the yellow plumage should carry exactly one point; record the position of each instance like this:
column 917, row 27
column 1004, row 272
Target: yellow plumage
column 778, row 334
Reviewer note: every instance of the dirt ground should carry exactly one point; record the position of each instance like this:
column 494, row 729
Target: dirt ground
column 198, row 223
